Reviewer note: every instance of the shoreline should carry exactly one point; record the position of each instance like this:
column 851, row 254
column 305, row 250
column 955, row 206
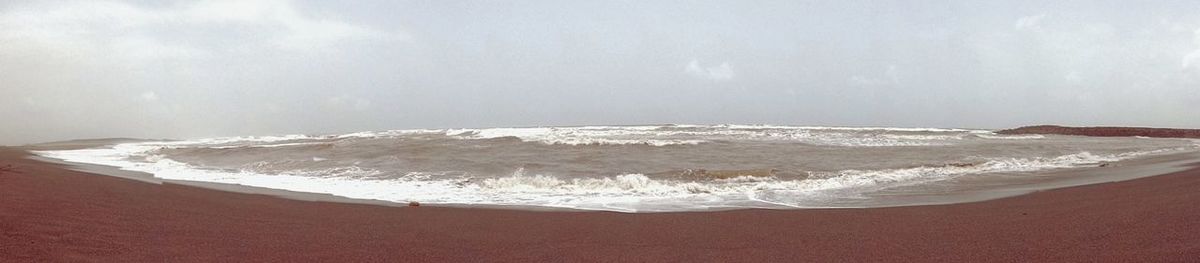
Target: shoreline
column 52, row 213
column 1129, row 169
column 143, row 177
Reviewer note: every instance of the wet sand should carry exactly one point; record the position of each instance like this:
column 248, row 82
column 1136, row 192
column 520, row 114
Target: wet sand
column 49, row 213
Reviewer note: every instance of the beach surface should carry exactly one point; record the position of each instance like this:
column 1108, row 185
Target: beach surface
column 51, row 213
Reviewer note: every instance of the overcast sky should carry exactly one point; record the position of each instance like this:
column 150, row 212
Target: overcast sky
column 159, row 69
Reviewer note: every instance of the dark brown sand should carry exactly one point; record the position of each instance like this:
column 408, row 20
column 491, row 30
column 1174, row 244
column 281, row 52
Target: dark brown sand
column 48, row 213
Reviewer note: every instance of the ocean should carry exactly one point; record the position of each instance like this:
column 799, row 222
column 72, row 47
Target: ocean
column 649, row 168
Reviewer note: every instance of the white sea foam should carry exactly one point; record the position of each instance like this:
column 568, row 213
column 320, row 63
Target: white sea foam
column 390, row 133
column 242, row 139
column 267, row 145
column 620, row 192
column 594, row 135
column 696, row 134
column 830, row 128
column 625, row 193
column 653, row 135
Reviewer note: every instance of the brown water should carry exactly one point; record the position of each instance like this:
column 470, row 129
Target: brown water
column 627, row 168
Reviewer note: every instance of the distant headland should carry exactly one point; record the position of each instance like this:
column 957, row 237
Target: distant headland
column 1105, row 131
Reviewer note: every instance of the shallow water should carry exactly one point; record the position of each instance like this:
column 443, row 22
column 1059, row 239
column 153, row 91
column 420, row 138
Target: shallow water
column 625, row 168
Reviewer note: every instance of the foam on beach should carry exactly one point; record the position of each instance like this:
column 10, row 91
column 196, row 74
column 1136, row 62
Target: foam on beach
column 361, row 171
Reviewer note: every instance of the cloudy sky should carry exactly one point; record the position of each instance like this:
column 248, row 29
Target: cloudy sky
column 161, row 69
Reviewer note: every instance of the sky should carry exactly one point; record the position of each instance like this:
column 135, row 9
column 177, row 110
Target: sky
column 188, row 69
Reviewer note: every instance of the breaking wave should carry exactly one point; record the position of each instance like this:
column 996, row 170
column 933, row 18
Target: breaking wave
column 651, row 135
column 695, row 134
column 624, row 192
column 617, row 168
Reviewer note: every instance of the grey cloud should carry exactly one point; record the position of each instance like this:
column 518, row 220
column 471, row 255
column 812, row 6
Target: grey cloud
column 72, row 69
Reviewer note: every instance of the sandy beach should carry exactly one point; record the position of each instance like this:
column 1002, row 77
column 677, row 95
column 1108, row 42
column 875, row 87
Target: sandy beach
column 599, row 131
column 50, row 213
